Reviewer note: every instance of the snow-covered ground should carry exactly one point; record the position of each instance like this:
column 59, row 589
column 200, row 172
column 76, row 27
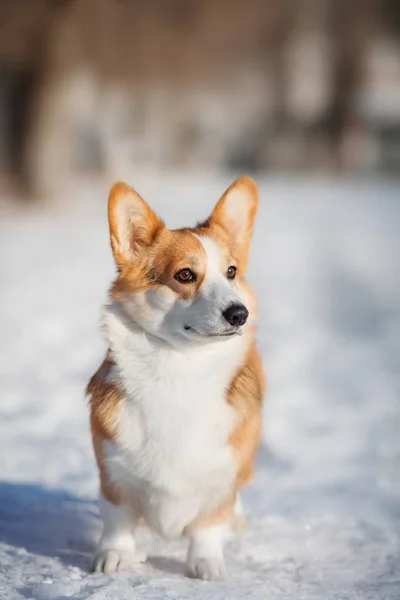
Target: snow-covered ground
column 324, row 510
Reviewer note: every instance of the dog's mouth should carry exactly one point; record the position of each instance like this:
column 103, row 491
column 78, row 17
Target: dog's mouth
column 190, row 329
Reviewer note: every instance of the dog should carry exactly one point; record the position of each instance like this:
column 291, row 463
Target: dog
column 176, row 404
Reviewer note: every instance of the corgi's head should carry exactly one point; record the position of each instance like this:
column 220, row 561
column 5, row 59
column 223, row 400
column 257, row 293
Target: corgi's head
column 185, row 285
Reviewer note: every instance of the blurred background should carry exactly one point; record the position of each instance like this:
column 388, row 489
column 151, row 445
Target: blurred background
column 177, row 97
column 103, row 86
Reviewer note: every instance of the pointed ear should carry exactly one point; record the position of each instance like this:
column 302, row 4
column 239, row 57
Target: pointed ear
column 235, row 213
column 133, row 224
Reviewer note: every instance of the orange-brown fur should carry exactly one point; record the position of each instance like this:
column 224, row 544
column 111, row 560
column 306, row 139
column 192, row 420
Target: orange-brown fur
column 216, row 227
column 105, row 399
column 246, row 394
column 165, row 253
column 170, row 252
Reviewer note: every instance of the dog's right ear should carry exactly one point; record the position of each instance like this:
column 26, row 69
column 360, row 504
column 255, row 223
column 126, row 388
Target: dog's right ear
column 133, row 225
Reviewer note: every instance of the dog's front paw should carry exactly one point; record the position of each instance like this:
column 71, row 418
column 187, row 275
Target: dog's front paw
column 208, row 569
column 113, row 561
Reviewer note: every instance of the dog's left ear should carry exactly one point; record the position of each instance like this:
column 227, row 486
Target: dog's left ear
column 235, row 213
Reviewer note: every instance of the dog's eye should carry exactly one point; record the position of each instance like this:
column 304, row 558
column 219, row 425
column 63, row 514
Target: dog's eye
column 231, row 273
column 185, row 276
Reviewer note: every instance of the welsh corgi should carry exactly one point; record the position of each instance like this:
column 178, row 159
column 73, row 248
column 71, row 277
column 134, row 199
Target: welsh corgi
column 176, row 403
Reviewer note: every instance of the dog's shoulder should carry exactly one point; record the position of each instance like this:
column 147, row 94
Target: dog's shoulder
column 247, row 389
column 246, row 395
column 105, row 395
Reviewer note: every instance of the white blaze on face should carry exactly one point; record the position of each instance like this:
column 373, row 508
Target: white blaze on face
column 217, row 292
column 215, row 284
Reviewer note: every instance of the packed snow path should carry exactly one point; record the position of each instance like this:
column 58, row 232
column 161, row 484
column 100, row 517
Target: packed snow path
column 324, row 510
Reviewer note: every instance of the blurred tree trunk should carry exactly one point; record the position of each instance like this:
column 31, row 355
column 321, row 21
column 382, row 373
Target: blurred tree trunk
column 351, row 25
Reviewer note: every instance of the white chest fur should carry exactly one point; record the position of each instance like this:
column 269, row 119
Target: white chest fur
column 171, row 453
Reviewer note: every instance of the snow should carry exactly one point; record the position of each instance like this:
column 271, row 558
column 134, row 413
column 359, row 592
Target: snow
column 324, row 509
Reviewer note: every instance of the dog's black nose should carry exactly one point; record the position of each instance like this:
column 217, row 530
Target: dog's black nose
column 236, row 315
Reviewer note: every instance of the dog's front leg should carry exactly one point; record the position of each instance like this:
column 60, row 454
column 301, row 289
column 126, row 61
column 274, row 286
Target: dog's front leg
column 117, row 548
column 207, row 536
